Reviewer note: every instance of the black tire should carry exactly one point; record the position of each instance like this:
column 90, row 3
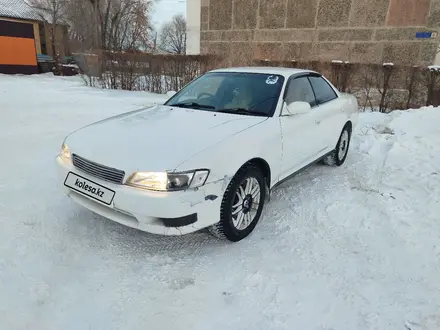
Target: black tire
column 338, row 157
column 226, row 229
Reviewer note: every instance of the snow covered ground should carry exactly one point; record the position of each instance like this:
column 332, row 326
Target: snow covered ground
column 347, row 248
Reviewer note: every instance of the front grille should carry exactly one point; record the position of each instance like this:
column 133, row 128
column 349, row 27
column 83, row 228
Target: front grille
column 98, row 170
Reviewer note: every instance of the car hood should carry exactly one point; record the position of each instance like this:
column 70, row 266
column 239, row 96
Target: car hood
column 158, row 138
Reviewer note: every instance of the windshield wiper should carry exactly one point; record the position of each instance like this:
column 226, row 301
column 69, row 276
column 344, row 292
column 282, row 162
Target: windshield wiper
column 242, row 111
column 192, row 105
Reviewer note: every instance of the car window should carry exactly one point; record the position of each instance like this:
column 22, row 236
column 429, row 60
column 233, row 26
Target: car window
column 240, row 92
column 299, row 90
column 323, row 91
column 201, row 86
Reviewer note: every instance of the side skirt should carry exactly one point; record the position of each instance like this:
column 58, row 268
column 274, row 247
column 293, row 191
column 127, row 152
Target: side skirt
column 300, row 170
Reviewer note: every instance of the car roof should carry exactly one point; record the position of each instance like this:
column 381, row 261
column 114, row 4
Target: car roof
column 286, row 72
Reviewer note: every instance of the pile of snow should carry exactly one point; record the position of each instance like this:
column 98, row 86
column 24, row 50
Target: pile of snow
column 355, row 247
column 340, row 62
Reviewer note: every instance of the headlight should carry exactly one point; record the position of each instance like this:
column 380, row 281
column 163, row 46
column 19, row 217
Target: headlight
column 65, row 152
column 163, row 181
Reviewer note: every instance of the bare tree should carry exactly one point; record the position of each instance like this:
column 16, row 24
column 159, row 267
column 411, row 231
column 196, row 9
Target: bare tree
column 432, row 75
column 83, row 31
column 342, row 73
column 412, row 85
column 367, row 74
column 133, row 31
column 172, row 36
column 111, row 25
column 52, row 13
column 382, row 79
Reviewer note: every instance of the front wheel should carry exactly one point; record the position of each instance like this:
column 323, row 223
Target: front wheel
column 339, row 155
column 242, row 205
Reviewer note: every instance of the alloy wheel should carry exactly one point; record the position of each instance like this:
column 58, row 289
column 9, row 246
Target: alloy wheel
column 246, row 203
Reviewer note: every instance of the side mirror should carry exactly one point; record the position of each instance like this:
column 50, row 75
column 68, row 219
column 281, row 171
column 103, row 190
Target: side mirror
column 296, row 108
column 170, row 94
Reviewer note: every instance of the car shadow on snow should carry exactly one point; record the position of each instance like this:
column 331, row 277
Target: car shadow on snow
column 100, row 232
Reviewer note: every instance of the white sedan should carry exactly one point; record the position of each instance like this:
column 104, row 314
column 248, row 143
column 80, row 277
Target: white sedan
column 210, row 155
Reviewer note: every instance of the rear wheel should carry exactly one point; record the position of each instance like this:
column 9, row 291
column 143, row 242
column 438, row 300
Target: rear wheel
column 339, row 155
column 242, row 205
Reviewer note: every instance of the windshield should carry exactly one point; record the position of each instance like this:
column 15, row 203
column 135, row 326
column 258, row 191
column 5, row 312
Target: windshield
column 232, row 92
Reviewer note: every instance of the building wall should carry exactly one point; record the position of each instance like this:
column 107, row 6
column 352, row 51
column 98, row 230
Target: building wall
column 17, row 47
column 193, row 27
column 354, row 30
column 35, row 27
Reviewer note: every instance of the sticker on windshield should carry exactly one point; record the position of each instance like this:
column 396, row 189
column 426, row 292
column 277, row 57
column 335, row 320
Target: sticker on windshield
column 271, row 80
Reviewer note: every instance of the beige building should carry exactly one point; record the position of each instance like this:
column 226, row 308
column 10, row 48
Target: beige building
column 193, row 12
column 398, row 31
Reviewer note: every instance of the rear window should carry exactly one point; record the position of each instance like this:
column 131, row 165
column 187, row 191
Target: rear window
column 323, row 91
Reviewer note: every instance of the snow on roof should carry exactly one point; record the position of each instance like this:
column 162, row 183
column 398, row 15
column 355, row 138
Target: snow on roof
column 18, row 9
column 264, row 70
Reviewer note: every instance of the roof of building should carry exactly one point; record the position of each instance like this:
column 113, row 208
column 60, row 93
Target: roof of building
column 287, row 72
column 18, row 9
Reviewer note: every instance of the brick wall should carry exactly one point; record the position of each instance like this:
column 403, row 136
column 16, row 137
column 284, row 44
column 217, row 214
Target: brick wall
column 354, row 30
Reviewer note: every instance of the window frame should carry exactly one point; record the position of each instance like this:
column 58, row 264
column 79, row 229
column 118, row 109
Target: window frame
column 325, row 80
column 308, row 75
column 299, row 76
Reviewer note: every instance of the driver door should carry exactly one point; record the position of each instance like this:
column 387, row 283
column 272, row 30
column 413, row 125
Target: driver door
column 301, row 144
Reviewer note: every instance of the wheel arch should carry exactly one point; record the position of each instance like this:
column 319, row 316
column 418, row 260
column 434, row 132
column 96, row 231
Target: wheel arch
column 225, row 228
column 263, row 165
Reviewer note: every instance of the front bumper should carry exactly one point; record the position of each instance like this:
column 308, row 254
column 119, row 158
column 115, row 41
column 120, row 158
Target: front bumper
column 163, row 213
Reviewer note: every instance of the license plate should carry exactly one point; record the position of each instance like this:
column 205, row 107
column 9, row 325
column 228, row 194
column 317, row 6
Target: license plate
column 89, row 188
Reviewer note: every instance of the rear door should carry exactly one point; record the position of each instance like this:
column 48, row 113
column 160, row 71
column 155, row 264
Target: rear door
column 329, row 114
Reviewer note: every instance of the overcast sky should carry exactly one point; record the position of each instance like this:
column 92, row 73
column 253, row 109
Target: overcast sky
column 166, row 9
